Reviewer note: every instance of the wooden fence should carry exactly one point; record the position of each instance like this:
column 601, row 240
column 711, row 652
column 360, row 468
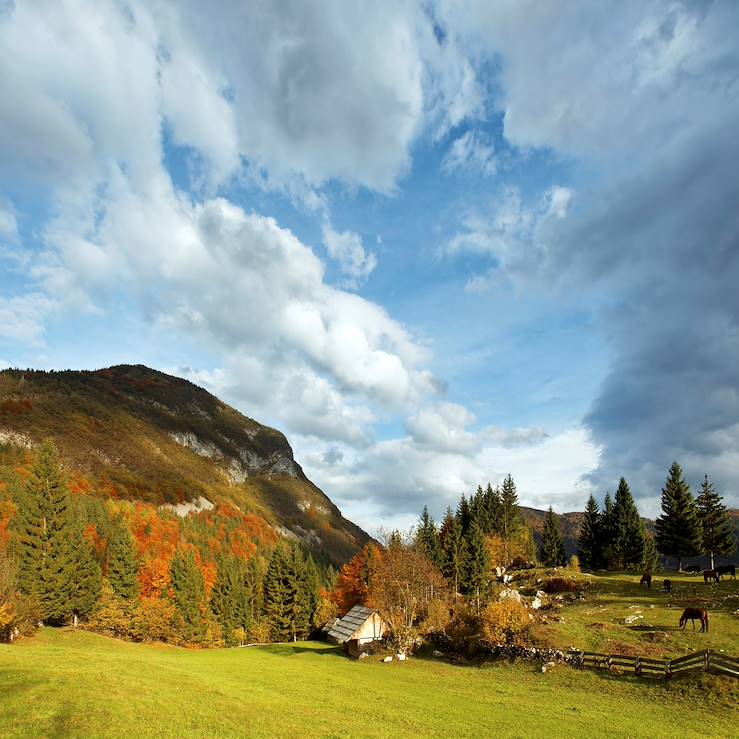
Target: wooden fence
column 707, row 660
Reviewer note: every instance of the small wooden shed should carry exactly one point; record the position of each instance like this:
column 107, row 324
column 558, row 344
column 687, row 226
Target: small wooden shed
column 361, row 625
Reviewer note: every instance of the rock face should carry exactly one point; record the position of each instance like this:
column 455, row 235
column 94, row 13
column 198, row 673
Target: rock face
column 146, row 436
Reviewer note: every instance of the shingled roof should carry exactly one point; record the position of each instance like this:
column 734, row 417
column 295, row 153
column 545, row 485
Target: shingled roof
column 345, row 627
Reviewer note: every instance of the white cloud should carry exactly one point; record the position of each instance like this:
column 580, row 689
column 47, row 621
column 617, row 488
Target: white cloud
column 472, row 152
column 443, row 428
column 22, row 318
column 348, row 250
column 8, row 223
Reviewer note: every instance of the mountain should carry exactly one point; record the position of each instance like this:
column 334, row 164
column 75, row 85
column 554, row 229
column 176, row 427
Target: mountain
column 133, row 433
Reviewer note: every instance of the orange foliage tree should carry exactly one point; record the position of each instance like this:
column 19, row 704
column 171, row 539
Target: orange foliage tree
column 352, row 582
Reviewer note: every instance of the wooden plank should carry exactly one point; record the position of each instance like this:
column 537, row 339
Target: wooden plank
column 721, row 670
column 688, row 658
column 653, row 661
column 724, row 657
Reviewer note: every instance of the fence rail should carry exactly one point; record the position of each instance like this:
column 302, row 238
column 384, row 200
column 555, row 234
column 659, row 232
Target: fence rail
column 707, row 660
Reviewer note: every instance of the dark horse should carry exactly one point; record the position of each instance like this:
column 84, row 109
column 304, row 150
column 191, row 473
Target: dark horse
column 710, row 575
column 646, row 579
column 667, row 585
column 693, row 568
column 691, row 614
column 727, row 570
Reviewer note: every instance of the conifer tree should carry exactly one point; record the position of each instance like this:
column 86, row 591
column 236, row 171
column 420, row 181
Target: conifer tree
column 510, row 517
column 492, row 510
column 427, row 537
column 189, row 592
column 650, row 561
column 552, row 545
column 678, row 528
column 453, row 550
column 589, row 539
column 227, row 596
column 44, row 542
column 608, row 532
column 123, row 567
column 277, row 595
column 477, row 572
column 464, row 515
column 716, row 530
column 628, row 545
column 86, row 580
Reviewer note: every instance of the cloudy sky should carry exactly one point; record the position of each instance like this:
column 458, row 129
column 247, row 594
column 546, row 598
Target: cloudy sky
column 433, row 242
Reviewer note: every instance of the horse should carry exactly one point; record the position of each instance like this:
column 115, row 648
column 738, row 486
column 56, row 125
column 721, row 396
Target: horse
column 695, row 613
column 692, row 568
column 646, row 579
column 727, row 570
column 710, row 575
column 667, row 585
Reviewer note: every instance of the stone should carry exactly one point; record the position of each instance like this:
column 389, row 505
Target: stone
column 437, row 653
column 536, row 604
column 388, row 659
column 401, row 657
column 547, row 666
column 362, row 655
column 510, row 594
column 632, row 619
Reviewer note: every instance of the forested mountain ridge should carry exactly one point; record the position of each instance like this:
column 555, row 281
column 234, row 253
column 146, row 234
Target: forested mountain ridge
column 133, row 433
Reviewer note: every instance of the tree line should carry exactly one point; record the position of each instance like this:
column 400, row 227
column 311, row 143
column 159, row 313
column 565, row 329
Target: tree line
column 615, row 537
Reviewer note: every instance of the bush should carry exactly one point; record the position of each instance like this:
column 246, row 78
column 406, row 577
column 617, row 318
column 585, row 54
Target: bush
column 462, row 633
column 113, row 615
column 559, row 585
column 505, row 622
column 260, row 632
column 156, row 620
column 574, row 563
column 438, row 617
column 19, row 613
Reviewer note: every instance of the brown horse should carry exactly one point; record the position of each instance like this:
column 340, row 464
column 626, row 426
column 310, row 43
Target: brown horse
column 710, row 575
column 691, row 614
column 646, row 579
column 727, row 570
column 667, row 585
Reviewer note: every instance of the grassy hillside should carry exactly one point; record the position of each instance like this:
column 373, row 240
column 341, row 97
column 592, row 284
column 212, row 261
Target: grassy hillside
column 132, row 433
column 79, row 684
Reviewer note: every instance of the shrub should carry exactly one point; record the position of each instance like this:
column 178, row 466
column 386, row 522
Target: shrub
column 113, row 615
column 156, row 620
column 505, row 622
column 559, row 585
column 259, row 631
column 574, row 563
column 19, row 613
column 438, row 617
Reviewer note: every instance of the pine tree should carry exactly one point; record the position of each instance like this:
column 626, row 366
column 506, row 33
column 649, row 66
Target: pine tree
column 453, row 551
column 678, row 528
column 227, row 596
column 608, row 532
column 510, row 521
column 189, row 593
column 589, row 539
column 277, row 605
column 87, row 578
column 123, row 567
column 716, row 530
column 477, row 571
column 492, row 510
column 628, row 545
column 650, row 561
column 552, row 545
column 427, row 537
column 464, row 515
column 44, row 542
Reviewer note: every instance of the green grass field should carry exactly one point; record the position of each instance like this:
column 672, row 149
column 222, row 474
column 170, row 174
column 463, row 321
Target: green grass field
column 73, row 683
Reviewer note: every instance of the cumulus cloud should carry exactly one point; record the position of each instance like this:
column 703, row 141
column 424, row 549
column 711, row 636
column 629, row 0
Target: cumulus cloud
column 23, row 318
column 443, row 428
column 8, row 223
column 347, row 249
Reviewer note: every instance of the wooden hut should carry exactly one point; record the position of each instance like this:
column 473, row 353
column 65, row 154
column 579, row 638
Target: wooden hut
column 359, row 627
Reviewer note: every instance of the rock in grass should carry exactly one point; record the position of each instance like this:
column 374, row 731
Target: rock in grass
column 388, row 659
column 547, row 666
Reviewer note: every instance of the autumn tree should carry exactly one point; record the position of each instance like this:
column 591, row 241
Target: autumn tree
column 352, row 582
column 717, row 533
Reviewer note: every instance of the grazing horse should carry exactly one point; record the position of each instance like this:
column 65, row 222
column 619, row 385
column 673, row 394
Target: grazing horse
column 691, row 614
column 727, row 570
column 693, row 568
column 646, row 579
column 667, row 585
column 710, row 575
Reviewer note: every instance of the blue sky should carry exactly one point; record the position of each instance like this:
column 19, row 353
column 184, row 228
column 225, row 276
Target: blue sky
column 433, row 243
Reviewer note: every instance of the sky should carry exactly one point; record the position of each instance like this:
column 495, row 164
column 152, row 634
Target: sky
column 432, row 242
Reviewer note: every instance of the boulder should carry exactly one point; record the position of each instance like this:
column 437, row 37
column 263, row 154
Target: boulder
column 510, row 594
column 388, row 659
column 547, row 666
column 437, row 653
column 536, row 603
column 401, row 657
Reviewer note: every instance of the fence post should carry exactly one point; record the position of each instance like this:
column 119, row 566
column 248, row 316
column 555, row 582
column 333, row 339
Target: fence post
column 637, row 666
column 706, row 660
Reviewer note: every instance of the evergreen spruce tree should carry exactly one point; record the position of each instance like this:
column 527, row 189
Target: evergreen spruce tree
column 716, row 530
column 628, row 545
column 679, row 527
column 453, row 551
column 86, row 581
column 477, row 572
column 189, row 593
column 552, row 545
column 44, row 541
column 427, row 537
column 492, row 510
column 509, row 520
column 123, row 566
column 464, row 515
column 277, row 593
column 608, row 532
column 589, row 539
column 299, row 594
column 650, row 561
column 226, row 597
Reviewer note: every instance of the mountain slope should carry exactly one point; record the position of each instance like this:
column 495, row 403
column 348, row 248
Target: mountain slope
column 135, row 433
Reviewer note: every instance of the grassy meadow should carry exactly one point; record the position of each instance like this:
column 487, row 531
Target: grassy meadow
column 73, row 683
